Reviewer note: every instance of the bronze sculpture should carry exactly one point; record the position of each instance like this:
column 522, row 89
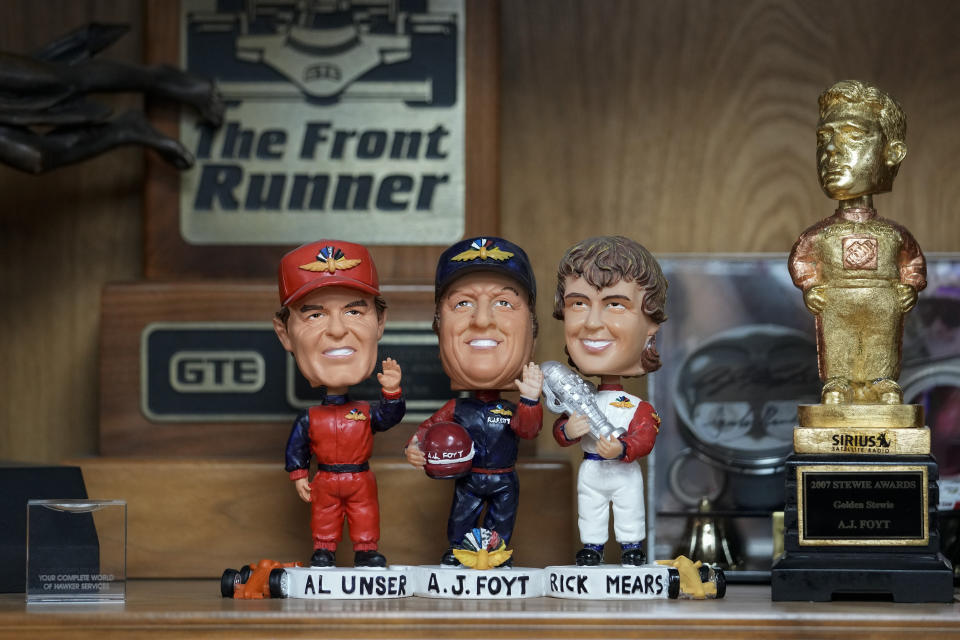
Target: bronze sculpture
column 46, row 120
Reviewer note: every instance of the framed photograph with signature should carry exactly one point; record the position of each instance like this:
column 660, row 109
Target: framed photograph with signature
column 739, row 355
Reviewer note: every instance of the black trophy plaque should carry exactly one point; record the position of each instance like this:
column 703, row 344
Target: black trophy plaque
column 861, row 527
column 854, row 505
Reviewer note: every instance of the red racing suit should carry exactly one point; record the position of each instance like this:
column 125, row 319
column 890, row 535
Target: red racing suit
column 339, row 434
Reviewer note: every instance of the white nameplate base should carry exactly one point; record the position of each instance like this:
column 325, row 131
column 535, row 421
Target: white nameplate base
column 472, row 584
column 612, row 582
column 346, row 584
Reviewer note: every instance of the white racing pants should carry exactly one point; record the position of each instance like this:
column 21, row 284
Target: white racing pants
column 601, row 482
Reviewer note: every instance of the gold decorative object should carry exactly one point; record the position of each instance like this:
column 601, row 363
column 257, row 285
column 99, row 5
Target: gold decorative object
column 859, row 273
column 711, row 539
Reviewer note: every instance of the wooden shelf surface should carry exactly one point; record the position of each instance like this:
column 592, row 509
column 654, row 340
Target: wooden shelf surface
column 194, row 608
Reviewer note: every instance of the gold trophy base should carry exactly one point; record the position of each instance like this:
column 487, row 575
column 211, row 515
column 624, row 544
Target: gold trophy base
column 862, row 441
column 861, row 429
column 860, row 416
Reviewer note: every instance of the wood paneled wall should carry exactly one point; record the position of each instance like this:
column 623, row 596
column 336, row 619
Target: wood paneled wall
column 689, row 124
column 686, row 124
column 62, row 236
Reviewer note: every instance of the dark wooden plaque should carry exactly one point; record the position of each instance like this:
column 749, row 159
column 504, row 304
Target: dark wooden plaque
column 168, row 256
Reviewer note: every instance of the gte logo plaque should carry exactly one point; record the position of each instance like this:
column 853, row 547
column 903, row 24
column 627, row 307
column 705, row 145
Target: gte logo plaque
column 217, row 372
column 238, row 372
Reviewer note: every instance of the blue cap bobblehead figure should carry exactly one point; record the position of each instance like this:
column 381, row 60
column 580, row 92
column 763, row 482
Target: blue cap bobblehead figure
column 485, row 320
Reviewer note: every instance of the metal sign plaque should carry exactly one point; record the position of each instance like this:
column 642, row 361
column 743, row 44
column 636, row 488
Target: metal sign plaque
column 344, row 119
column 216, row 372
column 862, row 505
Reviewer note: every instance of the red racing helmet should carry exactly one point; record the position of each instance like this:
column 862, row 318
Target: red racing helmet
column 448, row 449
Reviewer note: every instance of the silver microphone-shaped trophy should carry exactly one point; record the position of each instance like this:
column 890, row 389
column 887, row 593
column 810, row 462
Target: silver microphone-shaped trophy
column 566, row 392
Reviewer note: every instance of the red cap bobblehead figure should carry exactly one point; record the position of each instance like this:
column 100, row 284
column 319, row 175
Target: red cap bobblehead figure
column 331, row 320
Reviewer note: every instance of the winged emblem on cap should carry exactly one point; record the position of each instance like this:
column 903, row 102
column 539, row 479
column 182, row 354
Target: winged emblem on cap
column 330, row 259
column 482, row 248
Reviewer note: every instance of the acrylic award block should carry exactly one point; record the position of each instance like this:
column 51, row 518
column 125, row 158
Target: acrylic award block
column 76, row 550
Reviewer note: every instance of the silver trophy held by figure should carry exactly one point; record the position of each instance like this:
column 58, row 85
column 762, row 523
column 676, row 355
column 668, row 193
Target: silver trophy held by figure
column 566, row 392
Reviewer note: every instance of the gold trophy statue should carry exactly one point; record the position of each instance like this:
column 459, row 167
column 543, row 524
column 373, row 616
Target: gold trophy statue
column 860, row 517
column 859, row 272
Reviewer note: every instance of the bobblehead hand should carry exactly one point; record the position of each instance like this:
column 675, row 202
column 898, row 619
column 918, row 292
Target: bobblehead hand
column 390, row 378
column 577, row 426
column 609, row 448
column 302, row 485
column 414, row 454
column 531, row 381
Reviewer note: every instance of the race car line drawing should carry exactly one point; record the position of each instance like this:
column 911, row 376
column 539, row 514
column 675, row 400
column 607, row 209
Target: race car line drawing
column 327, row 50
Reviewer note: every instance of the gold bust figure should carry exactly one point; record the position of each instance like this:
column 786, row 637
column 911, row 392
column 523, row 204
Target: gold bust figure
column 859, row 272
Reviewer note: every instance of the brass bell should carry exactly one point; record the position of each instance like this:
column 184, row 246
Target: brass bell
column 710, row 539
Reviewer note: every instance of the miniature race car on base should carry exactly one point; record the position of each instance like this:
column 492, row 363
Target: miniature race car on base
column 254, row 581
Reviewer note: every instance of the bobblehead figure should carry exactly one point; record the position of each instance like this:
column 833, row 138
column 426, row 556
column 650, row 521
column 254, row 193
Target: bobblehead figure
column 331, row 319
column 485, row 304
column 611, row 295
